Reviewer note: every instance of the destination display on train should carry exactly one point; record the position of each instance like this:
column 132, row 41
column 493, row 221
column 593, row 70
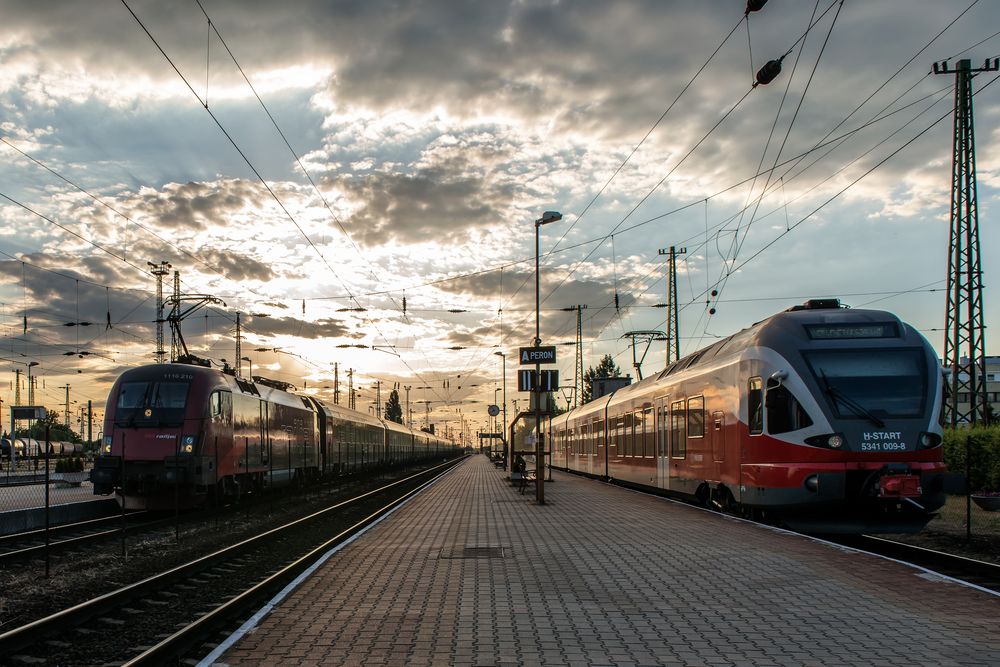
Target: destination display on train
column 839, row 331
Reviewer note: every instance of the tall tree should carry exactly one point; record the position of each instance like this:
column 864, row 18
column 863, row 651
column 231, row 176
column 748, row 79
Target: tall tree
column 607, row 368
column 393, row 410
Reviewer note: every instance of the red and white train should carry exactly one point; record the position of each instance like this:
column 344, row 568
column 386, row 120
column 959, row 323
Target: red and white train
column 180, row 433
column 820, row 417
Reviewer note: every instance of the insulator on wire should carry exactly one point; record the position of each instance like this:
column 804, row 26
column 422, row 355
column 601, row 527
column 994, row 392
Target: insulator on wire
column 768, row 72
column 616, row 301
column 754, row 6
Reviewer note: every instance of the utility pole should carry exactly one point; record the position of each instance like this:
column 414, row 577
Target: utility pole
column 66, row 412
column 239, row 347
column 160, row 270
column 350, row 388
column 964, row 330
column 378, row 398
column 578, row 382
column 17, row 386
column 409, row 414
column 174, row 314
column 336, row 383
column 673, row 319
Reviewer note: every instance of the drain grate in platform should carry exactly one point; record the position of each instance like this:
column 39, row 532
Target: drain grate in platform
column 472, row 552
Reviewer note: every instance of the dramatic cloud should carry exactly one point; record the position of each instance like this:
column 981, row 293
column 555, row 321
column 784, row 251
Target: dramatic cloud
column 416, row 144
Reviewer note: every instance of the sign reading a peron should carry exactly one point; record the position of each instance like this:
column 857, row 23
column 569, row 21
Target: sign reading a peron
column 538, row 355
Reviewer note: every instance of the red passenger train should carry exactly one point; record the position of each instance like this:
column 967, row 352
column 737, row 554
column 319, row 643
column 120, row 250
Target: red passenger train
column 821, row 418
column 179, row 431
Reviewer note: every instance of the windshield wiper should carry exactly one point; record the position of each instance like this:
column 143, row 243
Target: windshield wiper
column 851, row 404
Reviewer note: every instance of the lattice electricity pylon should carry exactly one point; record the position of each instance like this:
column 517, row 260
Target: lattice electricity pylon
column 159, row 270
column 638, row 336
column 964, row 330
column 673, row 336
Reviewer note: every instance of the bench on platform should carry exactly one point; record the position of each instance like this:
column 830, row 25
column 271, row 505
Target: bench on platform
column 520, row 479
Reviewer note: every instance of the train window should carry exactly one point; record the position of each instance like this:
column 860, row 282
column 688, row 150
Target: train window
column 647, row 432
column 677, row 436
column 696, row 417
column 661, row 436
column 169, row 395
column 784, row 412
column 132, row 394
column 755, row 406
column 629, row 425
column 881, row 382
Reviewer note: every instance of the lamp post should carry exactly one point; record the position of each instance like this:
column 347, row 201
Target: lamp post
column 249, row 361
column 506, row 454
column 547, row 217
column 496, row 423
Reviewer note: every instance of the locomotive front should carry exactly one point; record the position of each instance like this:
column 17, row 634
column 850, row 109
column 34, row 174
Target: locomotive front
column 859, row 392
column 154, row 435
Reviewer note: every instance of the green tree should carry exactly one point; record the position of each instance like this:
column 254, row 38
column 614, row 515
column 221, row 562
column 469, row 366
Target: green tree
column 57, row 430
column 393, row 410
column 607, row 368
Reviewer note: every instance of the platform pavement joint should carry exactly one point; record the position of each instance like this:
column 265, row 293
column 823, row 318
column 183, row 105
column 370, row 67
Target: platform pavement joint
column 601, row 575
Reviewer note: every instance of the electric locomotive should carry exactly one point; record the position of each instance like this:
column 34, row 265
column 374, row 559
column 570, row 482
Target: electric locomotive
column 177, row 434
column 821, row 418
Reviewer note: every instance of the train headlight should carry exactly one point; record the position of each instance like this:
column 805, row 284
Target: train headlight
column 929, row 440
column 106, row 445
column 828, row 440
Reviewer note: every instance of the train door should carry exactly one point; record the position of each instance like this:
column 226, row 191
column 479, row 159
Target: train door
column 662, row 443
column 718, row 437
column 678, row 446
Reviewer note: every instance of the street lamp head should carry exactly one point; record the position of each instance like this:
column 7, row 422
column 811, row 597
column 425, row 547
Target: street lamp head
column 547, row 217
column 500, row 354
column 32, row 363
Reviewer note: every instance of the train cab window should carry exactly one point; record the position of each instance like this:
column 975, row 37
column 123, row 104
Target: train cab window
column 784, row 412
column 696, row 417
column 755, row 406
column 220, row 404
column 678, row 439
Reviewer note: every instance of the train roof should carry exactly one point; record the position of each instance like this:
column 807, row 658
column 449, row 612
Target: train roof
column 818, row 319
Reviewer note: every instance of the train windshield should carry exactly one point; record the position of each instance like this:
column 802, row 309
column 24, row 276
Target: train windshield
column 151, row 403
column 870, row 384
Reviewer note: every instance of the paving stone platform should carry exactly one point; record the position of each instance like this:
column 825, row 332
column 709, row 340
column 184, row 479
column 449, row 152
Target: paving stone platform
column 473, row 573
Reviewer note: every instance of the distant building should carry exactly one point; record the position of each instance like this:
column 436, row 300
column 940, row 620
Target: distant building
column 604, row 386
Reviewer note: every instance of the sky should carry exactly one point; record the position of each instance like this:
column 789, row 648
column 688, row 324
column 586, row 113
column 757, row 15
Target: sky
column 360, row 181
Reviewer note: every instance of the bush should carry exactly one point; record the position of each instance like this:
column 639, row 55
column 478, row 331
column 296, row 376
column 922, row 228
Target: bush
column 984, row 455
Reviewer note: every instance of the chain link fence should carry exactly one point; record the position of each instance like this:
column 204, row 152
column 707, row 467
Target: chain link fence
column 972, row 511
column 35, row 475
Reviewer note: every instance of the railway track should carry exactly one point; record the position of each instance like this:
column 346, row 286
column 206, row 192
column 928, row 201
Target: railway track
column 33, row 543
column 977, row 572
column 172, row 614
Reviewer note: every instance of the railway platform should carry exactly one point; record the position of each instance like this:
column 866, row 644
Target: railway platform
column 471, row 572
